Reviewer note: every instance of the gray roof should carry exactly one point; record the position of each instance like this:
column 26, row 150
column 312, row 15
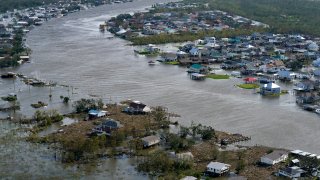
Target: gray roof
column 150, row 138
column 276, row 154
column 217, row 165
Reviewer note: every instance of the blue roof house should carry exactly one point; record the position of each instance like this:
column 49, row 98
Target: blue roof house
column 316, row 63
column 197, row 68
column 194, row 51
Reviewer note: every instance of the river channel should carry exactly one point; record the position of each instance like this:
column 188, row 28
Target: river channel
column 72, row 51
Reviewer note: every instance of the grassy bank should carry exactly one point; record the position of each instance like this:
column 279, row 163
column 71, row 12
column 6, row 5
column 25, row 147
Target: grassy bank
column 248, row 86
column 218, row 76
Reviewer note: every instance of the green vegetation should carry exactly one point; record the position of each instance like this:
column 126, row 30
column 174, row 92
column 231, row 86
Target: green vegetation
column 46, row 118
column 217, row 76
column 173, row 63
column 12, row 56
column 189, row 36
column 7, row 5
column 160, row 163
column 285, row 16
column 248, row 86
column 39, row 104
column 84, row 105
column 9, row 98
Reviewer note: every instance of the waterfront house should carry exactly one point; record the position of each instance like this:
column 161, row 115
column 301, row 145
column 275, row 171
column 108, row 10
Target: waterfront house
column 197, row 76
column 169, row 56
column 136, row 107
column 270, row 89
column 107, row 127
column 250, row 80
column 197, row 68
column 291, row 172
column 285, row 75
column 305, row 86
column 217, row 168
column 195, row 52
column 150, row 141
column 96, row 113
column 274, row 157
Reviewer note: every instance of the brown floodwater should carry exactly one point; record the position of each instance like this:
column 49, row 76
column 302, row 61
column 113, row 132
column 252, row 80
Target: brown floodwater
column 72, row 51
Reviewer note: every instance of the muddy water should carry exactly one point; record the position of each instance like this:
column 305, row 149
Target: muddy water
column 72, row 51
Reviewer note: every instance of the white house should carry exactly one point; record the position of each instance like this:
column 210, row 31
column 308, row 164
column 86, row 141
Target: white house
column 97, row 113
column 274, row 157
column 270, row 89
column 218, row 168
column 150, row 141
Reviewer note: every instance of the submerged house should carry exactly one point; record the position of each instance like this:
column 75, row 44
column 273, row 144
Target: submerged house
column 270, row 89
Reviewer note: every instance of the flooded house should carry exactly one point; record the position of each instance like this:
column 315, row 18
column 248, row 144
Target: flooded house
column 197, row 68
column 270, row 89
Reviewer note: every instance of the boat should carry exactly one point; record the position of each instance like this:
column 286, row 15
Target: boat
column 317, row 111
column 8, row 75
column 151, row 62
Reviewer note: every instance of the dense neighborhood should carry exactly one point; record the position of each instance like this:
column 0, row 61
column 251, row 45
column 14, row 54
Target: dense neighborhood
column 262, row 58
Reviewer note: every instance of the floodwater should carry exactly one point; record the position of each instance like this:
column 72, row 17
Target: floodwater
column 72, row 51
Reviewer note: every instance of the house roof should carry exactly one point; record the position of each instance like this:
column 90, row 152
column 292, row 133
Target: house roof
column 189, row 178
column 276, row 154
column 150, row 138
column 250, row 79
column 218, row 165
column 271, row 86
column 196, row 66
column 111, row 123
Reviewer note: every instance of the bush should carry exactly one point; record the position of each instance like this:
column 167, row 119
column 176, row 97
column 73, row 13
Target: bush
column 84, row 105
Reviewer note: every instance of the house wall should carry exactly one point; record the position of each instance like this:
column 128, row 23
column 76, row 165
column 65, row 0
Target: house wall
column 268, row 161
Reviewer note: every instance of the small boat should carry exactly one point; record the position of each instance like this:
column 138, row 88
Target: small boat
column 317, row 111
column 8, row 75
column 151, row 62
